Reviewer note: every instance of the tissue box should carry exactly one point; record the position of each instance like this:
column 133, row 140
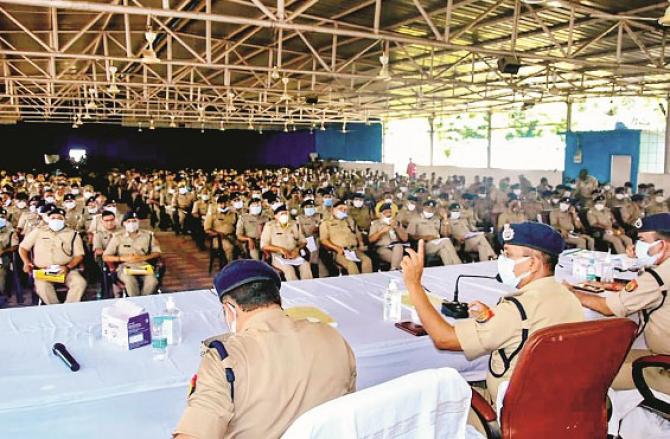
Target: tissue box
column 126, row 324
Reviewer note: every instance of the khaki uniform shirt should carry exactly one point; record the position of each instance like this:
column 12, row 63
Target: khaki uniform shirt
column 123, row 244
column 460, row 227
column 655, row 208
column 469, row 215
column 282, row 368
column 362, row 217
column 509, row 217
column 74, row 219
column 645, row 294
column 630, row 213
column 200, row 208
column 102, row 238
column 339, row 232
column 288, row 237
column 387, row 238
column 562, row 221
column 422, row 226
column 250, row 225
column 309, row 224
column 29, row 222
column 405, row 216
column 223, row 223
column 586, row 187
column 8, row 238
column 546, row 303
column 53, row 248
column 600, row 218
column 532, row 209
column 183, row 201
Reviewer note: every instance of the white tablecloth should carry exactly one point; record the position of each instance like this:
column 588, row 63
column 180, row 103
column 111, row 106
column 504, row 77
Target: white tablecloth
column 119, row 392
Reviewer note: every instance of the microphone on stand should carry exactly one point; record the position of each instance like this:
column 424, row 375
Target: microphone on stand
column 459, row 310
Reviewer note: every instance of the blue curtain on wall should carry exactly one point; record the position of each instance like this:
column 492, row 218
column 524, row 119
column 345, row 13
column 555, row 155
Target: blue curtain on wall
column 598, row 147
column 361, row 142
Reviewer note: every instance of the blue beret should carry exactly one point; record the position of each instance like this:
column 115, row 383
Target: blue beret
column 533, row 235
column 654, row 223
column 241, row 272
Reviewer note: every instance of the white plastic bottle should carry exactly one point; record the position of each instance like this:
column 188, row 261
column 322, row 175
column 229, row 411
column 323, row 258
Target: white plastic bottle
column 172, row 322
column 158, row 339
column 392, row 302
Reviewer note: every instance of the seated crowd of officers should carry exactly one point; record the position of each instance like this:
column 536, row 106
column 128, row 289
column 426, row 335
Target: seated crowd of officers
column 307, row 222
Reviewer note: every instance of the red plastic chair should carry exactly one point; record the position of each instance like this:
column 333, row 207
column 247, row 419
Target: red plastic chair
column 650, row 402
column 559, row 386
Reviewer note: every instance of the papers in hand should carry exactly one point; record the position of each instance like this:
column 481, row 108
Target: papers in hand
column 472, row 234
column 311, row 244
column 295, row 261
column 351, row 255
column 436, row 241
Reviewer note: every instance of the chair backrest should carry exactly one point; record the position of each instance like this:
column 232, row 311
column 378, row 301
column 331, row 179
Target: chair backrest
column 559, row 386
column 428, row 403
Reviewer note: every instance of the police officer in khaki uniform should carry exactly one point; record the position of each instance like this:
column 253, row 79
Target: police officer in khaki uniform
column 221, row 222
column 360, row 213
column 530, row 253
column 55, row 245
column 566, row 221
column 585, row 186
column 389, row 237
column 284, row 240
column 73, row 215
column 269, row 369
column 19, row 208
column 9, row 242
column 408, row 211
column 532, row 206
column 182, row 204
column 101, row 238
column 634, row 210
column 646, row 295
column 435, row 231
column 600, row 217
column 468, row 236
column 30, row 220
column 513, row 214
column 133, row 248
column 658, row 203
column 309, row 221
column 249, row 227
column 338, row 234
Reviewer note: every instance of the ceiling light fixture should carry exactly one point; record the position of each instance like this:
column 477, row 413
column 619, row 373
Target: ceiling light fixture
column 149, row 54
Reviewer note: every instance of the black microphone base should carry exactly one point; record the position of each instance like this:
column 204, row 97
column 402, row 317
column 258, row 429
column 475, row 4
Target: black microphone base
column 456, row 310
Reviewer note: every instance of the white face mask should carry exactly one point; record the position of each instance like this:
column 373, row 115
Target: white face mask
column 387, row 220
column 428, row 215
column 659, row 199
column 599, row 206
column 283, row 219
column 131, row 226
column 642, row 253
column 21, row 204
column 619, row 196
column 182, row 191
column 238, row 205
column 517, row 192
column 223, row 209
column 506, row 271
column 32, row 208
column 204, row 197
column 56, row 224
column 340, row 215
column 310, row 211
column 50, row 200
column 92, row 210
column 388, row 200
column 411, row 207
column 3, row 223
column 358, row 203
column 70, row 205
column 555, row 200
column 88, row 195
column 481, row 195
column 74, row 191
column 564, row 207
column 255, row 210
column 399, row 195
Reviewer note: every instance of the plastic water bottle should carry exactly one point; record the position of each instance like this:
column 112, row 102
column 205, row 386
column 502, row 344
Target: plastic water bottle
column 172, row 322
column 392, row 302
column 591, row 270
column 158, row 339
column 608, row 269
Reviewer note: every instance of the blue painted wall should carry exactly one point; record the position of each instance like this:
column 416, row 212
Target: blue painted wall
column 597, row 149
column 360, row 142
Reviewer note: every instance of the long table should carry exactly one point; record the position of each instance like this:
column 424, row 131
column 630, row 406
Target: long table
column 120, row 392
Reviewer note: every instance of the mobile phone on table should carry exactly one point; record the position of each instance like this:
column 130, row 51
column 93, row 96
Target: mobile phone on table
column 412, row 328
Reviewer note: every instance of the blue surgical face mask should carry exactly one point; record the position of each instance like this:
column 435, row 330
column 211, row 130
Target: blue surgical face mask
column 310, row 211
column 642, row 253
column 340, row 215
column 506, row 270
column 3, row 223
column 327, row 202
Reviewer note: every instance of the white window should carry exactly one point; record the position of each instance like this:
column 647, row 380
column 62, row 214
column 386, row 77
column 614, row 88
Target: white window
column 652, row 152
column 77, row 155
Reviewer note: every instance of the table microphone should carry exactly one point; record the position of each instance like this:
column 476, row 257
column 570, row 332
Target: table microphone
column 459, row 310
column 61, row 352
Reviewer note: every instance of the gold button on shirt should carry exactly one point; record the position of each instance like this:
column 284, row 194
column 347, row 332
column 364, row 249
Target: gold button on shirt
column 546, row 303
column 282, row 368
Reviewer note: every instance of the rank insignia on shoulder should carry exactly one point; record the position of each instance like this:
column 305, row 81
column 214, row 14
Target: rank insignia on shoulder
column 631, row 286
column 192, row 384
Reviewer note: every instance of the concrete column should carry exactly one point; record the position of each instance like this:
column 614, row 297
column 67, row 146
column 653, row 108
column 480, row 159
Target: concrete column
column 431, row 130
column 666, row 167
column 488, row 139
